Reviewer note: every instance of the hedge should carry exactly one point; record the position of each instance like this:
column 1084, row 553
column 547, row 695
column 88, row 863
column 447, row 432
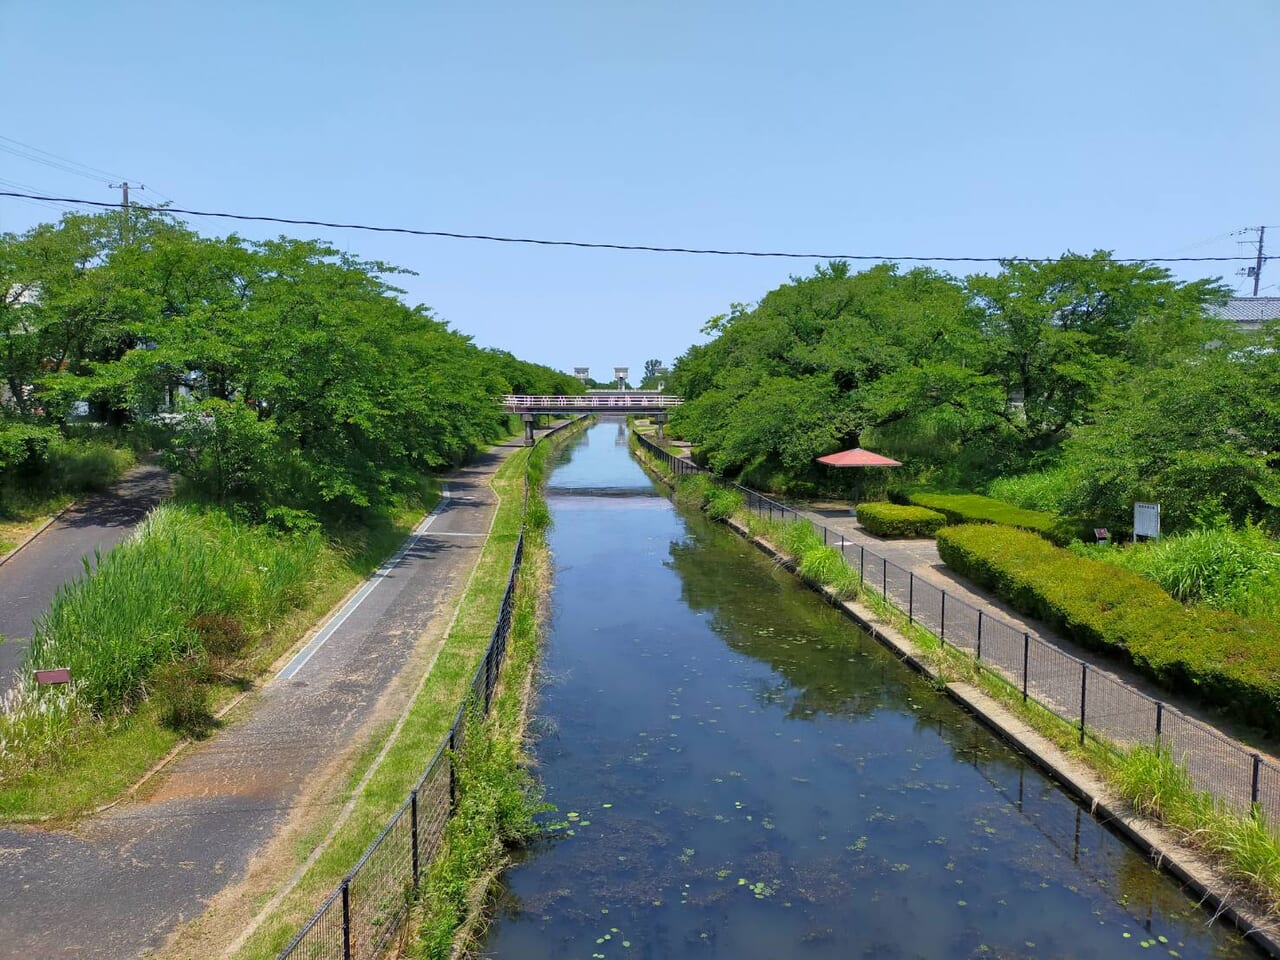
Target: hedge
column 893, row 520
column 1227, row 660
column 975, row 508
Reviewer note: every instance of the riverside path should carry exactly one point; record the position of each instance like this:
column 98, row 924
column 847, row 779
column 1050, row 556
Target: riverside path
column 122, row 883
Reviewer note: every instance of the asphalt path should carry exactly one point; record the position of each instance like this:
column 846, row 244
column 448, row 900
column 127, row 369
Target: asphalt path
column 29, row 579
column 120, row 883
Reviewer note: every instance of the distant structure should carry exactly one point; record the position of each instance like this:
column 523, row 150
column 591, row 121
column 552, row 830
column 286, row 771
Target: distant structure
column 1249, row 313
column 582, row 373
column 620, row 374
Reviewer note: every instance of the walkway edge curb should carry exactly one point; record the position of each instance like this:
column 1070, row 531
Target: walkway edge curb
column 35, row 533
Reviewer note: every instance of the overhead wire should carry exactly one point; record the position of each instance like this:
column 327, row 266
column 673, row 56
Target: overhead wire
column 602, row 245
column 18, row 147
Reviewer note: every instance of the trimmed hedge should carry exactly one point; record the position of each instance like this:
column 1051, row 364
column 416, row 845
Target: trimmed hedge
column 893, row 520
column 975, row 508
column 1227, row 660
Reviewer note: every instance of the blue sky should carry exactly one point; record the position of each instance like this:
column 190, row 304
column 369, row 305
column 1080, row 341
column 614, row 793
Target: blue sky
column 917, row 127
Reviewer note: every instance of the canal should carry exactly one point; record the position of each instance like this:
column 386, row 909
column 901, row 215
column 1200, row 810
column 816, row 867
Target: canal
column 740, row 772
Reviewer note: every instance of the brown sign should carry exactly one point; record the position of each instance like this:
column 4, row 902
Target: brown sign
column 50, row 677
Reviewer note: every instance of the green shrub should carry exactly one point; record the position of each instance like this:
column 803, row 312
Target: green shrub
column 1225, row 659
column 182, row 698
column 80, row 466
column 24, row 449
column 975, row 508
column 884, row 519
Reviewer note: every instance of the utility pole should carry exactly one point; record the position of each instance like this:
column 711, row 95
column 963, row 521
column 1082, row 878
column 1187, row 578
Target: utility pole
column 1257, row 268
column 123, row 187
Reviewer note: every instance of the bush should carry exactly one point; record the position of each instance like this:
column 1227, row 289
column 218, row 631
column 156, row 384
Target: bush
column 884, row 519
column 1227, row 660
column 181, row 697
column 975, row 508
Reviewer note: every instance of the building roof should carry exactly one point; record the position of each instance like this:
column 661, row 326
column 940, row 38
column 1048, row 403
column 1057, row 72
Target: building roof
column 1249, row 310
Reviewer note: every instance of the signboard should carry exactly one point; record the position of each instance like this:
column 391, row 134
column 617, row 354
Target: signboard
column 1146, row 520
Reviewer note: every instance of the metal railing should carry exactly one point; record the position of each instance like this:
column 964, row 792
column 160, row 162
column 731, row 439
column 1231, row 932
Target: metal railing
column 657, row 401
column 360, row 919
column 1097, row 703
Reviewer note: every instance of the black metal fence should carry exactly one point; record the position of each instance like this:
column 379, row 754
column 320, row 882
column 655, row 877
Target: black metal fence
column 1097, row 703
column 360, row 919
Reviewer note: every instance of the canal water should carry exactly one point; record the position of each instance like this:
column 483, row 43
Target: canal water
column 739, row 772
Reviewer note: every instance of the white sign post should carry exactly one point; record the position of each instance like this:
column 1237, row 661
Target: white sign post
column 1146, row 521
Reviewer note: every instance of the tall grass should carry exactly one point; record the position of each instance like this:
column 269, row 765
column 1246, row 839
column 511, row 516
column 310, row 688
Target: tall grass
column 1231, row 568
column 1048, row 490
column 142, row 608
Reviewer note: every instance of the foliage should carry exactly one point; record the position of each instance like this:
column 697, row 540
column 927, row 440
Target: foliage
column 975, row 508
column 317, row 387
column 1199, row 436
column 1234, row 569
column 1227, row 660
column 1247, row 845
column 964, row 380
column 186, row 577
column 883, row 519
column 1049, row 490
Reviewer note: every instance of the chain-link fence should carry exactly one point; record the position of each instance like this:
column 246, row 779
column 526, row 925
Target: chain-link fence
column 1098, row 704
column 366, row 913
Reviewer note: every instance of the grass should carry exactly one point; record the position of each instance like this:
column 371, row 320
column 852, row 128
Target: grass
column 69, row 764
column 498, row 797
column 1230, row 568
column 428, row 721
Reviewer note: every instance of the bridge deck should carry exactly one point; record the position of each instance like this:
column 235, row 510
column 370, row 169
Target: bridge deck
column 620, row 402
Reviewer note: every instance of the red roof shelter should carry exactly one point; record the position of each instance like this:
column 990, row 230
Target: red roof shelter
column 857, row 458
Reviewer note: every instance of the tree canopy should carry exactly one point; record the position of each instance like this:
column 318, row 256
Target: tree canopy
column 300, row 376
column 965, row 379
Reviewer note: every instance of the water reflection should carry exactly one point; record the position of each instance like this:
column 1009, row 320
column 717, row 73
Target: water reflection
column 741, row 773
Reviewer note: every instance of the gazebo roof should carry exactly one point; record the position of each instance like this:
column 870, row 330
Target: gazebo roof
column 857, row 458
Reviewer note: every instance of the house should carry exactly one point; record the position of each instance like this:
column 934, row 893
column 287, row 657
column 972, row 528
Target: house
column 1249, row 313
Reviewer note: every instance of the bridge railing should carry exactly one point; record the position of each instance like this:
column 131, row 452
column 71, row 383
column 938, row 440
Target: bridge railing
column 630, row 401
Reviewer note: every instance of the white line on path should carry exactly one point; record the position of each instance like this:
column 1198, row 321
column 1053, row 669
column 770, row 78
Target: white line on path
column 348, row 608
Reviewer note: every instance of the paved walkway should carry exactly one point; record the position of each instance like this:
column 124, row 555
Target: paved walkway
column 29, row 579
column 921, row 558
column 117, row 885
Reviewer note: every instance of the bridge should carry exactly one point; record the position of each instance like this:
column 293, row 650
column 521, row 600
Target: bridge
column 657, row 405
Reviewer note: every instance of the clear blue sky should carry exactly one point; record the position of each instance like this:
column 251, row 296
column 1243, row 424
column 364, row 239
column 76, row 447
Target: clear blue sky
column 923, row 126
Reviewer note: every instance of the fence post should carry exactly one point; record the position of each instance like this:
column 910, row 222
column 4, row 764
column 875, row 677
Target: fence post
column 1159, row 722
column 1257, row 770
column 911, row 597
column 884, row 577
column 1026, row 657
column 346, row 918
column 824, row 534
column 979, row 633
column 862, row 562
column 1084, row 681
column 942, row 628
column 413, row 823
column 453, row 776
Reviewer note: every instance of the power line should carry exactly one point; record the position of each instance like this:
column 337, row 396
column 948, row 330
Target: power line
column 97, row 172
column 597, row 245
